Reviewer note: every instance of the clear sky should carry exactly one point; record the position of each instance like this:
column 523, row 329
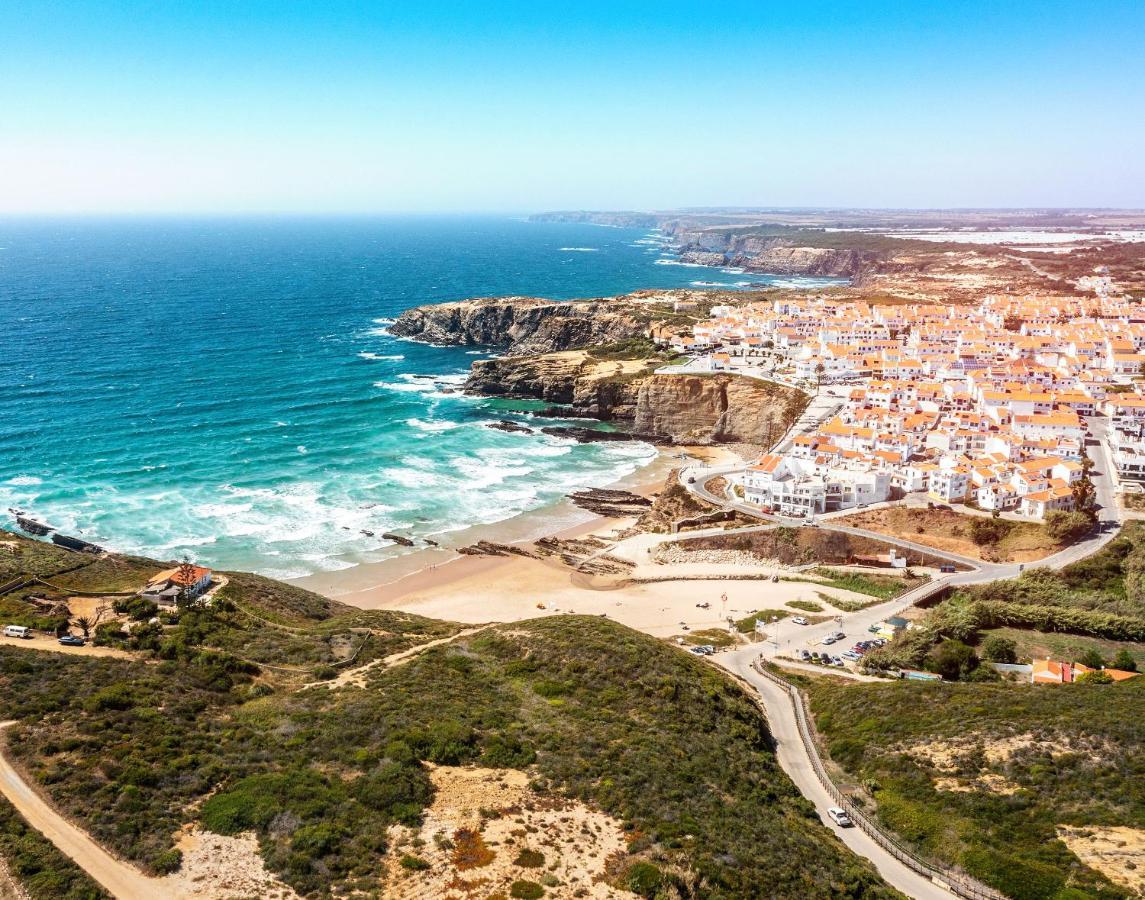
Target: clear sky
column 333, row 106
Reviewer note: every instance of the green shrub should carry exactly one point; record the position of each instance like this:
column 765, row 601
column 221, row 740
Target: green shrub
column 138, row 608
column 414, row 863
column 42, row 871
column 526, row 890
column 952, row 660
column 167, row 862
column 529, row 859
column 999, row 649
column 643, row 879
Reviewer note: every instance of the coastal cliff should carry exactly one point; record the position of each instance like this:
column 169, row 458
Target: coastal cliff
column 523, row 325
column 774, row 254
column 682, row 409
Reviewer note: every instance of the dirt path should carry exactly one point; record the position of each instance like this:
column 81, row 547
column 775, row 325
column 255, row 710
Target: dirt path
column 122, row 880
column 47, row 644
column 357, row 677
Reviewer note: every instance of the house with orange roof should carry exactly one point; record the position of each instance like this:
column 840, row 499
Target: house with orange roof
column 1049, row 671
column 1057, row 495
column 183, row 581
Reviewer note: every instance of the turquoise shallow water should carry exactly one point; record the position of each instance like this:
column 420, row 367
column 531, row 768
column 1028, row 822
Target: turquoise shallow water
column 227, row 388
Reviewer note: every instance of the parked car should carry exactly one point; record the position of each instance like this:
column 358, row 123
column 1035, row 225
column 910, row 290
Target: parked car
column 839, row 817
column 799, row 620
column 803, row 655
column 699, row 651
column 18, row 631
column 830, row 639
column 851, row 655
column 838, row 661
column 70, row 640
column 838, row 635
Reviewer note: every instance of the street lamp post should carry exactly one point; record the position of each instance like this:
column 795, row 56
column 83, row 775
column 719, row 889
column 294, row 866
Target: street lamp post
column 775, row 622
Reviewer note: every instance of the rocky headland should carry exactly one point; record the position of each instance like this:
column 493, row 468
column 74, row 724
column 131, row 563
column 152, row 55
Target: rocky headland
column 679, row 409
column 522, row 325
column 598, row 359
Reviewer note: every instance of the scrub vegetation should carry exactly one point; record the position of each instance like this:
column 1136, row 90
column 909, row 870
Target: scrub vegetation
column 216, row 721
column 981, row 776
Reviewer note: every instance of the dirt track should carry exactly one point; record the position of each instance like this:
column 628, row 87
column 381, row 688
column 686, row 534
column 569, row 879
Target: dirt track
column 122, row 881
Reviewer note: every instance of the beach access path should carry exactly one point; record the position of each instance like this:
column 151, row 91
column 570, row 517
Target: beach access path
column 121, row 880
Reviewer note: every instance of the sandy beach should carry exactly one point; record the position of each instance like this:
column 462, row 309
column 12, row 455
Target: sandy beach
column 659, row 599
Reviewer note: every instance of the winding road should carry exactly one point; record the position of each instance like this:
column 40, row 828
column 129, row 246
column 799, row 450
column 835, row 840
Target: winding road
column 121, row 880
column 792, row 754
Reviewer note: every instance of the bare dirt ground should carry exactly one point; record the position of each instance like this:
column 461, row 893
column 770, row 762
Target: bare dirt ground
column 950, row 531
column 474, row 835
column 947, row 757
column 1116, row 852
column 218, row 867
column 49, row 644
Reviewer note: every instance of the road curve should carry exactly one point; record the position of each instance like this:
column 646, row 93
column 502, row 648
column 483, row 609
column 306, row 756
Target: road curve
column 794, row 760
column 122, row 881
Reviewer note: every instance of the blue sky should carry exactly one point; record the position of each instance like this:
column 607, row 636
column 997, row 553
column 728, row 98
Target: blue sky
column 506, row 106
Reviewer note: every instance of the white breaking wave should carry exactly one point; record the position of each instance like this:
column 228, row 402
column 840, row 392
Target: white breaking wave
column 579, row 249
column 366, row 354
column 677, row 262
column 423, row 425
column 25, row 481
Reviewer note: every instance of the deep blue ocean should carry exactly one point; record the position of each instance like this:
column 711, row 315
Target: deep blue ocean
column 228, row 388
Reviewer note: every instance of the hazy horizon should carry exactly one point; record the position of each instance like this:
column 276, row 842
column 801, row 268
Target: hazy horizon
column 133, row 108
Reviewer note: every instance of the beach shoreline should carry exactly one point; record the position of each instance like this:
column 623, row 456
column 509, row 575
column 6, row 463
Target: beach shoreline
column 384, row 584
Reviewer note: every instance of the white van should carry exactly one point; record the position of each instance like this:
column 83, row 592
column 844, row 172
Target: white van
column 17, row 631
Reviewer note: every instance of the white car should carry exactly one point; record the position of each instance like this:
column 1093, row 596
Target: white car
column 830, row 639
column 799, row 620
column 839, row 817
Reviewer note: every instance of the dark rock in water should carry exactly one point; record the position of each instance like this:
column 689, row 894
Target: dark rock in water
column 512, row 427
column 33, row 527
column 588, row 435
column 77, row 544
column 431, row 543
column 367, row 533
column 397, row 539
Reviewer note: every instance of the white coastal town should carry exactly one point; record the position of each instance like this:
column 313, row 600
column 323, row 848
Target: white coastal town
column 989, row 406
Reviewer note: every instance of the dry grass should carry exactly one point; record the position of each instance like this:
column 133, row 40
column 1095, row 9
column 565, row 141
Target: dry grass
column 951, row 531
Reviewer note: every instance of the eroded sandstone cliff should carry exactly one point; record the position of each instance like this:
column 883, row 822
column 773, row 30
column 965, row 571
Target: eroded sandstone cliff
column 523, row 324
column 683, row 409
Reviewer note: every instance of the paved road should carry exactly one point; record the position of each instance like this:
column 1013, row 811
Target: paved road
column 122, row 881
column 796, row 763
column 792, row 754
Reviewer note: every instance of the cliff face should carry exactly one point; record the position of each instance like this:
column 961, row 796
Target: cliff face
column 521, row 324
column 682, row 409
column 718, row 408
column 776, row 255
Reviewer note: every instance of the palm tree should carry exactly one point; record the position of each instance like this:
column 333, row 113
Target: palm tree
column 85, row 625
